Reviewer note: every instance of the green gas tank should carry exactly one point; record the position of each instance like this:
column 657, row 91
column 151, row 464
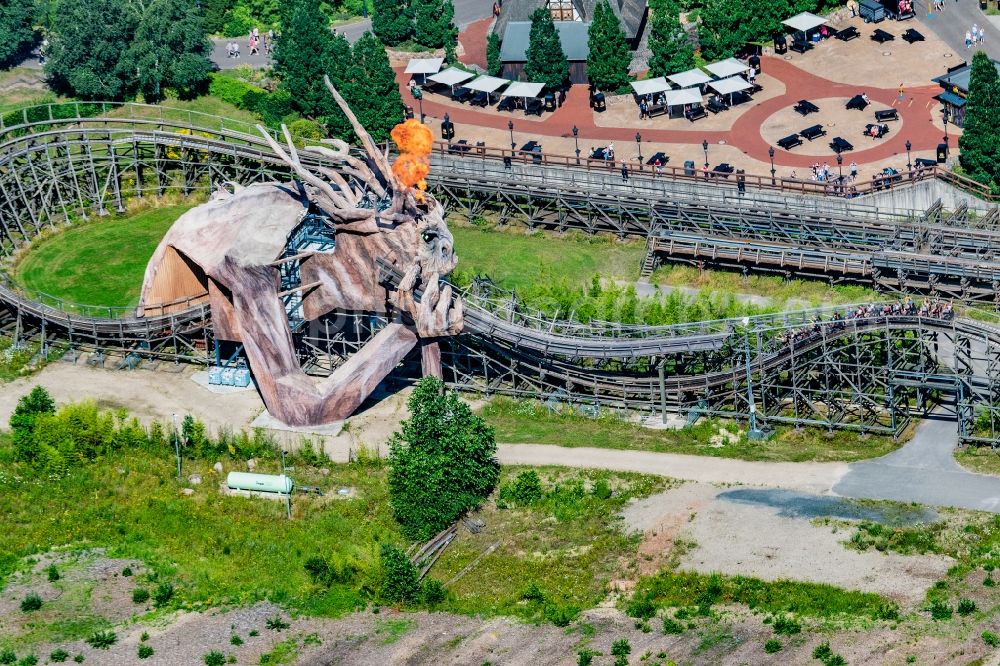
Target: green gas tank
column 261, row 483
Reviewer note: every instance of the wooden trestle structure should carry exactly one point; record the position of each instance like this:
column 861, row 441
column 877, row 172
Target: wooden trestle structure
column 65, row 163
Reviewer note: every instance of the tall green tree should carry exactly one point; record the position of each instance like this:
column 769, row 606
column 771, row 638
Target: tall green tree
column 303, row 55
column 545, row 59
column 669, row 43
column 85, row 51
column 373, row 92
column 980, row 140
column 22, row 421
column 17, row 32
column 609, row 57
column 170, row 49
column 493, row 64
column 215, row 14
column 392, row 21
column 433, row 23
column 726, row 25
column 338, row 66
column 442, row 462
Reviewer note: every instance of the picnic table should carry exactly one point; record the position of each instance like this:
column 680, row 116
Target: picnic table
column 696, row 113
column 530, row 147
column 723, row 170
column 460, row 146
column 600, row 154
column 800, row 46
column 508, row 104
column 840, row 145
column 881, row 36
column 790, row 141
column 847, row 34
column 857, row 102
column 663, row 157
column 534, row 106
column 814, row 132
column 481, row 98
column 656, row 109
column 805, row 107
column 462, row 95
column 924, row 162
column 911, row 36
column 715, row 105
column 875, row 131
column 886, row 114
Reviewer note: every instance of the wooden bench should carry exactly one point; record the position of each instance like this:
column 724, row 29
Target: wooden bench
column 881, row 36
column 790, row 141
column 805, row 107
column 800, row 46
column 886, row 115
column 911, row 36
column 881, row 131
column 715, row 105
column 814, row 132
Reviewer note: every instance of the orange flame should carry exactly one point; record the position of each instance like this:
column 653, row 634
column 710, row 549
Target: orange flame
column 414, row 140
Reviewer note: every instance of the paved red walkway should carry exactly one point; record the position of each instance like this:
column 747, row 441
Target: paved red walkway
column 473, row 39
column 914, row 111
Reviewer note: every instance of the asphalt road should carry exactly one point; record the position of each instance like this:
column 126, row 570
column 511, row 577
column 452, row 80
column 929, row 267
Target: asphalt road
column 958, row 17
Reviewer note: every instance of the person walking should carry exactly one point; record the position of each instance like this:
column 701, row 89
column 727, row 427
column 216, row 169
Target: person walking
column 854, row 171
column 624, row 172
column 982, row 35
column 968, row 39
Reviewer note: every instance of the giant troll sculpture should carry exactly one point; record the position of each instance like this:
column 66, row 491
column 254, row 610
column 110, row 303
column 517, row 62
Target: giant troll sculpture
column 230, row 249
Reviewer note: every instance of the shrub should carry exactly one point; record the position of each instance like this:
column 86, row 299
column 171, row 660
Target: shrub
column 524, row 491
column 621, row 660
column 144, row 636
column 28, row 660
column 79, row 658
column 103, row 640
column 304, row 128
column 991, row 639
column 31, row 603
column 672, row 626
column 7, row 656
column 442, row 462
column 786, row 625
column 772, row 645
column 215, row 658
column 641, row 607
column 318, row 570
column 940, row 611
column 53, row 575
column 966, row 607
column 561, row 615
column 434, row 592
column 163, row 593
column 127, row 571
column 58, row 656
column 532, row 592
column 235, row 640
column 585, row 657
column 400, row 582
column 254, row 633
column 988, row 581
column 22, row 422
column 822, row 651
column 276, row 623
column 601, row 489
column 144, row 651
column 140, row 595
column 621, row 648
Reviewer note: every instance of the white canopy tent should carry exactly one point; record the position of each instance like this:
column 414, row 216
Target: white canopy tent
column 804, row 22
column 726, row 68
column 424, row 65
column 729, row 85
column 451, row 76
column 692, row 77
column 487, row 84
column 683, row 96
column 523, row 89
column 650, row 86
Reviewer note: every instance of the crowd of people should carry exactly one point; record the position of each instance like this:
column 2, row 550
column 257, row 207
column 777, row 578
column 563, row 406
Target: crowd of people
column 256, row 41
column 975, row 36
column 934, row 308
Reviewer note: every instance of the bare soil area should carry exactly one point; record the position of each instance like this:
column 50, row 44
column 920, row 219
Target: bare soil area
column 836, row 120
column 736, row 538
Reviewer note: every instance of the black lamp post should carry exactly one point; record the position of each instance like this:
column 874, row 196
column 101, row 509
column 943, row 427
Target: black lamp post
column 704, row 145
column 770, row 153
column 909, row 164
column 946, row 115
column 576, row 140
column 638, row 142
column 510, row 126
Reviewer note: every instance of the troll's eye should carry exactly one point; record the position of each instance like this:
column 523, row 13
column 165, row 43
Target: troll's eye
column 429, row 236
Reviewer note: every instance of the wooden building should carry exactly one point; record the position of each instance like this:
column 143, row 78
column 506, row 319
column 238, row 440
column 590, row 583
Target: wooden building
column 956, row 90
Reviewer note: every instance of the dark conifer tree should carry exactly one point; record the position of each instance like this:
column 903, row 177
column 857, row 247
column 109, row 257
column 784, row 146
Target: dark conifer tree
column 609, row 55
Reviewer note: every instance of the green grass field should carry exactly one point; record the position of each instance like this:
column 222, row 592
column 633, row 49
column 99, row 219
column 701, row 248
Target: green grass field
column 519, row 260
column 524, row 422
column 100, row 262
